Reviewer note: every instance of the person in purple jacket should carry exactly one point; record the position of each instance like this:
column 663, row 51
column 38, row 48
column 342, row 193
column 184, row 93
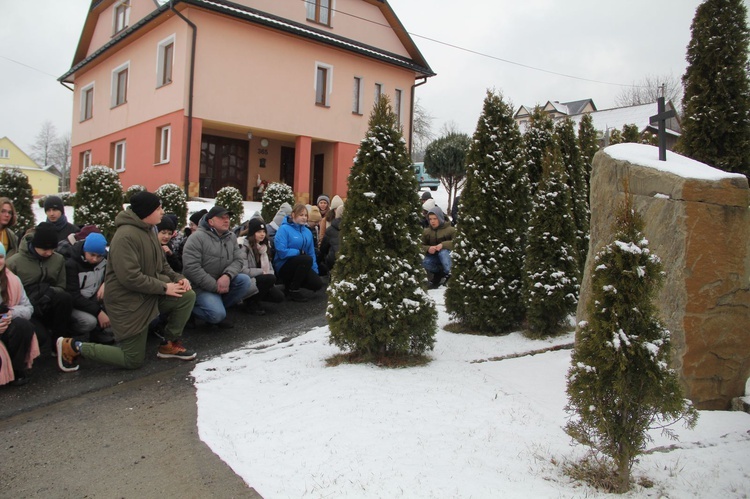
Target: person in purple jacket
column 294, row 261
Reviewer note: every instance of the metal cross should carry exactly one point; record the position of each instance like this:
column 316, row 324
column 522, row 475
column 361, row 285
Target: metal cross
column 662, row 118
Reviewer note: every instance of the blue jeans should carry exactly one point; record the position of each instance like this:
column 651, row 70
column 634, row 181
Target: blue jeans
column 212, row 307
column 438, row 262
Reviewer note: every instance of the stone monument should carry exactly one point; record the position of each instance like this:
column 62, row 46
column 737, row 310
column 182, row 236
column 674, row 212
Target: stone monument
column 697, row 221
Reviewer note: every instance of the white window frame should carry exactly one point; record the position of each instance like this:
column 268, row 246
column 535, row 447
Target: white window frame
column 4, row 154
column 379, row 88
column 119, row 156
column 115, row 87
column 329, row 84
column 357, row 93
column 118, row 26
column 398, row 96
column 165, row 143
column 85, row 159
column 160, row 56
column 84, row 102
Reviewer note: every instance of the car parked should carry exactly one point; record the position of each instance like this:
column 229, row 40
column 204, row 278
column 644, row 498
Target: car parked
column 424, row 179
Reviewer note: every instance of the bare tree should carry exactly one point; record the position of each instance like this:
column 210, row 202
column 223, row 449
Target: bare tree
column 421, row 131
column 61, row 152
column 449, row 128
column 648, row 89
column 42, row 148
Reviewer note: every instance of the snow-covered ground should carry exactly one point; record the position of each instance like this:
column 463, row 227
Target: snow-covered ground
column 462, row 426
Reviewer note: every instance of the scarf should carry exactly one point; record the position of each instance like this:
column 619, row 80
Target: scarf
column 265, row 263
column 61, row 223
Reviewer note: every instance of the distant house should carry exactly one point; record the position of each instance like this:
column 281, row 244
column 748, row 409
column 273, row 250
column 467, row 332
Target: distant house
column 607, row 120
column 556, row 109
column 43, row 182
column 214, row 93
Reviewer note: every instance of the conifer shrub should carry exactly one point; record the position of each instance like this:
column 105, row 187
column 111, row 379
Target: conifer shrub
column 130, row 191
column 231, row 199
column 274, row 196
column 551, row 268
column 14, row 185
column 575, row 178
column 484, row 292
column 588, row 143
column 620, row 385
column 538, row 138
column 98, row 198
column 174, row 200
column 377, row 308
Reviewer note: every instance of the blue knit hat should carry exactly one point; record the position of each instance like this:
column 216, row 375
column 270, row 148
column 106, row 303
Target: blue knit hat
column 2, row 249
column 95, row 243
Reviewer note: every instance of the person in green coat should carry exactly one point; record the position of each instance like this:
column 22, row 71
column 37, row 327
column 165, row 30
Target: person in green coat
column 139, row 284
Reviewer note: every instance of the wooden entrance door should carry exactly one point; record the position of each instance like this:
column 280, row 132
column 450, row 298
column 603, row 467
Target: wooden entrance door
column 223, row 164
column 318, row 167
column 286, row 172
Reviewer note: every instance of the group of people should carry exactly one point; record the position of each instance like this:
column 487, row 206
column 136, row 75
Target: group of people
column 63, row 286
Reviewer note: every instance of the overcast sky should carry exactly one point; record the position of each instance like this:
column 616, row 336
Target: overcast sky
column 611, row 41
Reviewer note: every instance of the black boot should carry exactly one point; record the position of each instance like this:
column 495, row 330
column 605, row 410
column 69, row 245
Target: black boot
column 436, row 278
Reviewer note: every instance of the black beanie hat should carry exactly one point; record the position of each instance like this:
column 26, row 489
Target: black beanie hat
column 196, row 217
column 144, row 203
column 254, row 225
column 53, row 203
column 45, row 236
column 165, row 224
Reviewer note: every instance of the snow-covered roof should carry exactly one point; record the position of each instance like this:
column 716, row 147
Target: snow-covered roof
column 608, row 119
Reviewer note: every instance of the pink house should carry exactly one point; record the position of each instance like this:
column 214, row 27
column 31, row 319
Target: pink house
column 213, row 93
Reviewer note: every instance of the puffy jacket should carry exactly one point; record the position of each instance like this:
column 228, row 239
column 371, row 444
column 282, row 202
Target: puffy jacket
column 37, row 274
column 84, row 280
column 208, row 255
column 291, row 240
column 329, row 247
column 137, row 275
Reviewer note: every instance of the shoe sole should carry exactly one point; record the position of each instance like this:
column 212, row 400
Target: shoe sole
column 174, row 356
column 58, row 348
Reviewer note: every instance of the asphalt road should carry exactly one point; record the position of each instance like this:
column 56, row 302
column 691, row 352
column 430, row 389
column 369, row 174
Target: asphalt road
column 108, row 432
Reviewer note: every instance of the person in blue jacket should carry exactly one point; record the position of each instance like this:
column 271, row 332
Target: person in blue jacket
column 294, row 261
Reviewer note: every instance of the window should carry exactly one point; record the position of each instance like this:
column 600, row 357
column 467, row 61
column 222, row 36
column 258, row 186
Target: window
column 164, row 59
column 120, row 85
column 322, row 84
column 378, row 92
column 357, row 96
column 85, row 159
column 319, row 11
column 122, row 16
column 164, row 141
column 4, row 153
column 397, row 104
column 118, row 156
column 87, row 102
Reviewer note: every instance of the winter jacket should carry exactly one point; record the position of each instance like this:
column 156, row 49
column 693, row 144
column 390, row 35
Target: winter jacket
column 20, row 306
column 250, row 266
column 208, row 255
column 12, row 246
column 292, row 240
column 329, row 247
column 84, row 280
column 442, row 235
column 38, row 275
column 64, row 228
column 137, row 275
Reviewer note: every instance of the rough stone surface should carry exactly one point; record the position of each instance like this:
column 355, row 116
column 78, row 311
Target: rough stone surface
column 701, row 231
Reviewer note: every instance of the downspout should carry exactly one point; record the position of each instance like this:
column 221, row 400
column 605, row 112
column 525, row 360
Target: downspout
column 411, row 114
column 190, row 95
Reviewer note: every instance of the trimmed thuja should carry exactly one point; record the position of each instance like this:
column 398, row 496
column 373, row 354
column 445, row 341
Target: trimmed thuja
column 376, row 305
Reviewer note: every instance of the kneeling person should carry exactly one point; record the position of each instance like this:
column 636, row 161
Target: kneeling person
column 138, row 285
